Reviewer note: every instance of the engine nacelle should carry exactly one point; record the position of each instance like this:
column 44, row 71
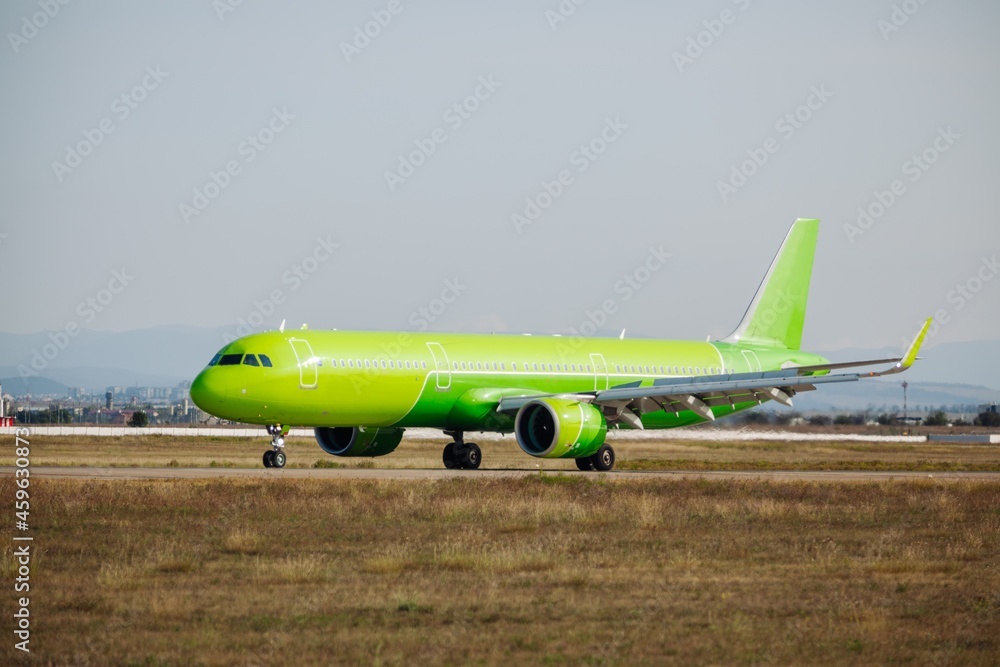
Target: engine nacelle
column 554, row 428
column 358, row 441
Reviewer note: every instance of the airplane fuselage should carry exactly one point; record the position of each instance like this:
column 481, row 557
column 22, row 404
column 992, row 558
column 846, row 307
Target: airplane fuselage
column 448, row 381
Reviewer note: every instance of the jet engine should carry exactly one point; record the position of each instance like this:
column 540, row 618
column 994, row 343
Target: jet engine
column 358, row 440
column 554, row 428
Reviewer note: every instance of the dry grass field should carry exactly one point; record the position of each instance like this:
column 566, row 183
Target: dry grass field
column 666, row 454
column 550, row 569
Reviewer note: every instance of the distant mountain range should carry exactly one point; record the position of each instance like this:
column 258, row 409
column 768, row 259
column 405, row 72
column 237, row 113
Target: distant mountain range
column 161, row 356
column 948, row 374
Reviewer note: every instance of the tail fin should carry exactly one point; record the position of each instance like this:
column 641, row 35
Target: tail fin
column 778, row 310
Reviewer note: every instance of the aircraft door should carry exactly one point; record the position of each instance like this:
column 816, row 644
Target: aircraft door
column 600, row 371
column 308, row 363
column 442, row 372
column 753, row 363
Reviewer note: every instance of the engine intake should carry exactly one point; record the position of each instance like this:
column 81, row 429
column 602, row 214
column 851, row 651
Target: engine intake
column 358, row 440
column 554, row 428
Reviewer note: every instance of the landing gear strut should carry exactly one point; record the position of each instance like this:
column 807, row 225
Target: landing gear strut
column 603, row 460
column 460, row 454
column 275, row 457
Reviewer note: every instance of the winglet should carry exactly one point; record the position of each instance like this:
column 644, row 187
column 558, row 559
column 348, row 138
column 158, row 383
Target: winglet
column 911, row 352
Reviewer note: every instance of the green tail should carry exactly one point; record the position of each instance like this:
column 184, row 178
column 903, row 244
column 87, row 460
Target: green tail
column 778, row 310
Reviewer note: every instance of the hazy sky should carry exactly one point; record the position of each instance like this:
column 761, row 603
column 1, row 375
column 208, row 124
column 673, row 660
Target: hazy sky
column 202, row 162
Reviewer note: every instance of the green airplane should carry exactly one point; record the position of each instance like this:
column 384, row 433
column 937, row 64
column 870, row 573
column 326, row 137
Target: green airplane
column 559, row 395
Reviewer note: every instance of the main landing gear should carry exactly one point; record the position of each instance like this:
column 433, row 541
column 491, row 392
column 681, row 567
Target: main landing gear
column 275, row 457
column 603, row 460
column 460, row 454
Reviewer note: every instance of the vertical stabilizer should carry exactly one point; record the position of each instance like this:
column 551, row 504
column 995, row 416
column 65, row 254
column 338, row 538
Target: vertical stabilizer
column 778, row 310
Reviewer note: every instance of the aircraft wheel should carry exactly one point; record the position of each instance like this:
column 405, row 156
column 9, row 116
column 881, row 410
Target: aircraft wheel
column 269, row 458
column 604, row 459
column 471, row 456
column 449, row 456
column 586, row 463
column 278, row 460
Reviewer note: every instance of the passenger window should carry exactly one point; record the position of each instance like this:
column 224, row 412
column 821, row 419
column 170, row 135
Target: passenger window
column 250, row 360
column 231, row 359
column 423, row 364
column 215, row 360
column 367, row 363
column 513, row 365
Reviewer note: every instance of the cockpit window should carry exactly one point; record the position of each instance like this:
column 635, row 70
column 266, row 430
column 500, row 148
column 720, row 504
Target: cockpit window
column 250, row 360
column 215, row 360
column 230, row 359
column 265, row 360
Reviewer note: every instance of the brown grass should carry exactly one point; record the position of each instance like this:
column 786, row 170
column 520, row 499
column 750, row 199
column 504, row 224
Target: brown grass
column 665, row 454
column 542, row 570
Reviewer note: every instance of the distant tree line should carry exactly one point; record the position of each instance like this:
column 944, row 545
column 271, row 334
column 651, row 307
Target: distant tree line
column 936, row 418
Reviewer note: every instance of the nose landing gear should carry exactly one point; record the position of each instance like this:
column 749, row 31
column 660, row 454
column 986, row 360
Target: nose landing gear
column 275, row 457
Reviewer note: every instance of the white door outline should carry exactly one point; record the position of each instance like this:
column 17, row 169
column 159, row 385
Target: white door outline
column 442, row 374
column 600, row 371
column 308, row 363
column 752, row 361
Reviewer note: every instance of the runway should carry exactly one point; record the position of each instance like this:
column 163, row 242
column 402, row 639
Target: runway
column 433, row 474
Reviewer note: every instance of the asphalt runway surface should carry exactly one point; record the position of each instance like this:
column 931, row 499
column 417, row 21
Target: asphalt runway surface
column 88, row 473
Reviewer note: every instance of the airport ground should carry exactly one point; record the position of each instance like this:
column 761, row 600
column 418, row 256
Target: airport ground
column 504, row 454
column 550, row 567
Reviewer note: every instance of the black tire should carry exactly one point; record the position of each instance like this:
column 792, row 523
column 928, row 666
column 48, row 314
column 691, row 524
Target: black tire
column 278, row 460
column 449, row 456
column 472, row 456
column 269, row 458
column 585, row 463
column 604, row 459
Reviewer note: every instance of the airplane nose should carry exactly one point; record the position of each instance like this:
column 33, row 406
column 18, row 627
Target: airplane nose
column 208, row 390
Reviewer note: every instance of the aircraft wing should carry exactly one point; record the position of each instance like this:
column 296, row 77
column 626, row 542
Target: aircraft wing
column 627, row 403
